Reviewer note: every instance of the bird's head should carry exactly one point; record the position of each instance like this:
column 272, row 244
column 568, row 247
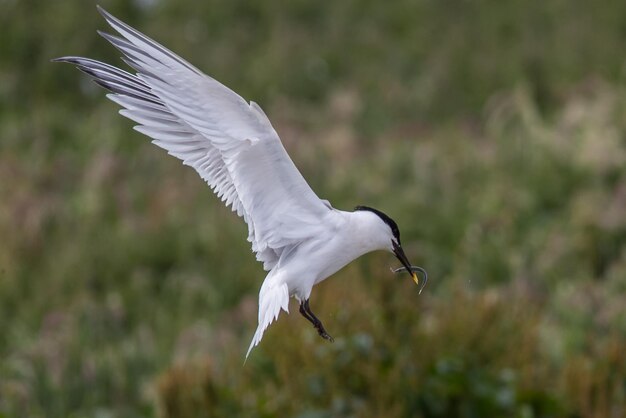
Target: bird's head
column 388, row 232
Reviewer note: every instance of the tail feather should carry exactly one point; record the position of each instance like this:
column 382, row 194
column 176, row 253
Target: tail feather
column 272, row 299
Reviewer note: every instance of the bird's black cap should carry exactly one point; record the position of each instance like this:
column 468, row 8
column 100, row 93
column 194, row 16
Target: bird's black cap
column 390, row 222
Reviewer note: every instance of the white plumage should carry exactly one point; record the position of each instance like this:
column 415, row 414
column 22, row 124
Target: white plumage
column 300, row 239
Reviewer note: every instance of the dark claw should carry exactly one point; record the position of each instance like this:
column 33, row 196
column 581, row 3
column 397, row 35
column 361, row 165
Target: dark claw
column 322, row 332
column 305, row 310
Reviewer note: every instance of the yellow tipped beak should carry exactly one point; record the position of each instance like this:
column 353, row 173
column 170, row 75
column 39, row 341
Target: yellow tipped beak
column 415, row 278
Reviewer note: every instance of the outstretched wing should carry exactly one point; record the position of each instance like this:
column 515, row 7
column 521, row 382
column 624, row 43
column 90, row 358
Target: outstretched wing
column 229, row 142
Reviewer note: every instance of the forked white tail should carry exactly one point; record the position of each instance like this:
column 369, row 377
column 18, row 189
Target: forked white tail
column 272, row 298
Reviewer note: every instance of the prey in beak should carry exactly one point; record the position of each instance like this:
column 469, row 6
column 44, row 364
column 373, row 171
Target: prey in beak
column 412, row 270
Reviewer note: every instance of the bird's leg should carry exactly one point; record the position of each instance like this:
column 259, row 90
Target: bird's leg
column 305, row 311
column 305, row 314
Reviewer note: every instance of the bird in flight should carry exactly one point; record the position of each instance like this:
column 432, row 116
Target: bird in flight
column 300, row 239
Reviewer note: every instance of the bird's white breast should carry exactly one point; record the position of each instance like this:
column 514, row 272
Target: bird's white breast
column 346, row 236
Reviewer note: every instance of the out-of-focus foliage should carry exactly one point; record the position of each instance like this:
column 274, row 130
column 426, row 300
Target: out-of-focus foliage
column 493, row 132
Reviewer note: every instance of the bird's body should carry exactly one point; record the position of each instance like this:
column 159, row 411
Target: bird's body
column 344, row 237
column 300, row 239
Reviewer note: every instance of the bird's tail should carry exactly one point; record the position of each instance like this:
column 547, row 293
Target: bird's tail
column 272, row 298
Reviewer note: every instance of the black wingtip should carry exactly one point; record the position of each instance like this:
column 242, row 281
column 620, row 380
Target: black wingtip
column 106, row 15
column 108, row 36
column 71, row 60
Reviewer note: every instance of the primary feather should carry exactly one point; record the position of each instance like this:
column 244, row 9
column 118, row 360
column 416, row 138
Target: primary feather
column 229, row 142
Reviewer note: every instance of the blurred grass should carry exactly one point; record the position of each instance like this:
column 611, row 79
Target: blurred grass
column 493, row 132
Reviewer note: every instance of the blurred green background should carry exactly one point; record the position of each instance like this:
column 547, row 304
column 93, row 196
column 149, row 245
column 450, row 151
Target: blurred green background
column 494, row 132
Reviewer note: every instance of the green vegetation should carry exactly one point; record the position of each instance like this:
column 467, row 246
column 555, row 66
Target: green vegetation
column 493, row 132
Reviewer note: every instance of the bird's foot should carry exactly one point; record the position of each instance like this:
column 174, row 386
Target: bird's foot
column 322, row 332
column 305, row 310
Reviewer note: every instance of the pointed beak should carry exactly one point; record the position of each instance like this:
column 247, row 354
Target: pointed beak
column 399, row 252
column 412, row 270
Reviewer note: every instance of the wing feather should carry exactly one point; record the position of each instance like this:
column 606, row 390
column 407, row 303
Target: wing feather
column 229, row 142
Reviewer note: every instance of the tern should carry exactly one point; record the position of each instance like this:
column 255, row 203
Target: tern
column 300, row 239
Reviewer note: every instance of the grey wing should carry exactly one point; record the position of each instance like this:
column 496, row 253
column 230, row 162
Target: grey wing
column 229, row 142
